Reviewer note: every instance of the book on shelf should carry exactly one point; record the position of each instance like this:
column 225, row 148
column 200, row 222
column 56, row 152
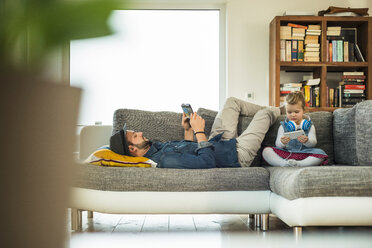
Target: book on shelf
column 355, row 87
column 312, row 49
column 331, row 97
column 316, row 95
column 358, row 53
column 334, row 31
column 351, row 52
column 335, row 28
column 313, row 30
column 346, row 51
column 294, row 50
column 289, row 88
column 313, row 27
column 352, row 82
column 311, row 54
column 313, row 81
column 353, row 73
column 288, row 50
column 282, row 50
column 340, row 50
column 352, row 91
column 294, row 25
column 298, row 33
column 285, row 32
column 300, row 52
column 353, row 95
column 356, row 76
column 292, row 85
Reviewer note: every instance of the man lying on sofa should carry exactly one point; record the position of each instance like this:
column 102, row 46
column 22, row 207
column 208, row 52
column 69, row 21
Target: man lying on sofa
column 223, row 149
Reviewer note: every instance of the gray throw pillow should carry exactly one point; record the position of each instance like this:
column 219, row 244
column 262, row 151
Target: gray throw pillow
column 363, row 126
column 353, row 134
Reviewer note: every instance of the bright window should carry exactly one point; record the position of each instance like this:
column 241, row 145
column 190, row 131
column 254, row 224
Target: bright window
column 156, row 60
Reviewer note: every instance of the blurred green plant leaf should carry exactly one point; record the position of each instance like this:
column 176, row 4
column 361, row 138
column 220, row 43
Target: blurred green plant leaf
column 34, row 27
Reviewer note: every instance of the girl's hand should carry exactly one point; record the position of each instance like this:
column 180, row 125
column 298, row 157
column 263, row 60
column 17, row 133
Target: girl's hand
column 285, row 140
column 303, row 139
column 185, row 123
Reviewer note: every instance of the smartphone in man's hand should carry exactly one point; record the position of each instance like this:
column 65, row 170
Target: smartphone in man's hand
column 187, row 110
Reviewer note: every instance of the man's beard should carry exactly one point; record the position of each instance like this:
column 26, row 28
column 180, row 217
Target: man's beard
column 144, row 144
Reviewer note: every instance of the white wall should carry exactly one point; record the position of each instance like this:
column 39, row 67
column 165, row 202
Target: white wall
column 248, row 40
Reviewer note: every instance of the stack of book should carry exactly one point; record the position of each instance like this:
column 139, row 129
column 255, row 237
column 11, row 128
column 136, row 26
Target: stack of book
column 285, row 33
column 351, row 89
column 334, row 31
column 298, row 33
column 287, row 88
column 312, row 46
column 336, row 51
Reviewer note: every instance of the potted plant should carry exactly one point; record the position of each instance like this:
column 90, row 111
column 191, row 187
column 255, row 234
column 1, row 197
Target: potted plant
column 38, row 117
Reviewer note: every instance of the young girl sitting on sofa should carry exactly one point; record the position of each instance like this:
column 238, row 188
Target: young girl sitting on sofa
column 298, row 151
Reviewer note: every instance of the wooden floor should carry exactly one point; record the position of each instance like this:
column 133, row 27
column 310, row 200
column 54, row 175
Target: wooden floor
column 230, row 231
column 130, row 223
column 113, row 223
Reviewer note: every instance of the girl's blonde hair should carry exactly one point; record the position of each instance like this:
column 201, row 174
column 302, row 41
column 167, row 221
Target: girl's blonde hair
column 296, row 97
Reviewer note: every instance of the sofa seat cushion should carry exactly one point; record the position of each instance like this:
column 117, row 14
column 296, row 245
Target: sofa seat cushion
column 293, row 183
column 170, row 180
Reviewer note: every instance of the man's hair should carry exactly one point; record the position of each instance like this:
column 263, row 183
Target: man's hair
column 296, row 97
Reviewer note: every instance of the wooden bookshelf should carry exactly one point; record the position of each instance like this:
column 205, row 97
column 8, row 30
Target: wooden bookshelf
column 322, row 68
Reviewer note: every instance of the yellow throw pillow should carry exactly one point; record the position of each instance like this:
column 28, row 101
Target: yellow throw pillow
column 106, row 157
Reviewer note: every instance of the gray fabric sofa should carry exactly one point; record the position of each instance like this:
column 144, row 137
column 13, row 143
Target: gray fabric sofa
column 337, row 194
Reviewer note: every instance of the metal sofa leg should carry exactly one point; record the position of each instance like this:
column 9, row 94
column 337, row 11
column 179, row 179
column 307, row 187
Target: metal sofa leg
column 257, row 220
column 297, row 230
column 265, row 222
column 76, row 219
column 250, row 218
column 90, row 214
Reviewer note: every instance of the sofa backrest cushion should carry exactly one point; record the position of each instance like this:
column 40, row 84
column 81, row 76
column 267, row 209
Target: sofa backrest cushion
column 353, row 134
column 163, row 126
column 157, row 126
column 323, row 122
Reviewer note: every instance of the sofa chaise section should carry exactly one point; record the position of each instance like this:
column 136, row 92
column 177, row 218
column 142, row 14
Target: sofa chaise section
column 322, row 196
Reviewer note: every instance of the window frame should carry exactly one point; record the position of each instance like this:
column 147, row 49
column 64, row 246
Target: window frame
column 192, row 5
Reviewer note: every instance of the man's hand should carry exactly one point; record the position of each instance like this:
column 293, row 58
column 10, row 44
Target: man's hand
column 185, row 123
column 197, row 122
